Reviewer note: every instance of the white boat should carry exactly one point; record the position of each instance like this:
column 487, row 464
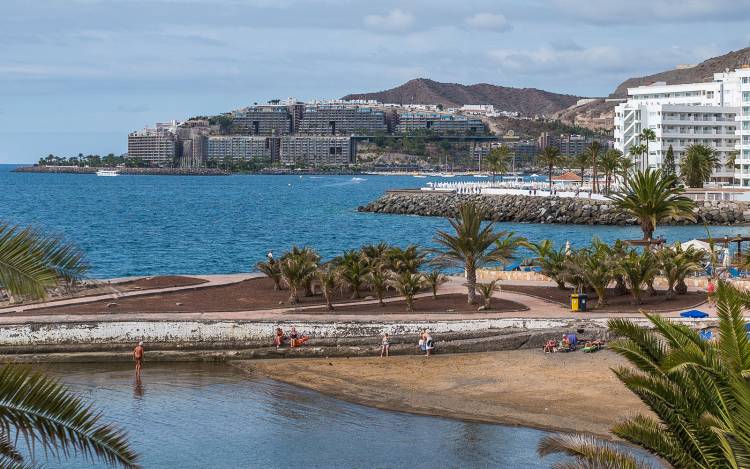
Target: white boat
column 480, row 175
column 446, row 175
column 421, row 176
column 107, row 172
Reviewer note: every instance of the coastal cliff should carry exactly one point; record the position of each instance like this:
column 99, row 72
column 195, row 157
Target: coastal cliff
column 531, row 209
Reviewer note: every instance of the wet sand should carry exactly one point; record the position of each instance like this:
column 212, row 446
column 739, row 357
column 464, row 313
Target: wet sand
column 563, row 391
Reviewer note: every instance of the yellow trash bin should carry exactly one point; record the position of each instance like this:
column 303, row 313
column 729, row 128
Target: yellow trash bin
column 574, row 304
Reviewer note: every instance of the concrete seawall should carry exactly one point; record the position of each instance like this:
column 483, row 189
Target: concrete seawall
column 519, row 208
column 229, row 340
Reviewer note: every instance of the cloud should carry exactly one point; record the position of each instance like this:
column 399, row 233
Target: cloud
column 653, row 11
column 489, row 21
column 396, row 20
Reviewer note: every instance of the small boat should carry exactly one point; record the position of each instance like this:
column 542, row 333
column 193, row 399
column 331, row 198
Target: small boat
column 356, row 179
column 107, row 172
column 421, row 176
column 446, row 175
column 480, row 175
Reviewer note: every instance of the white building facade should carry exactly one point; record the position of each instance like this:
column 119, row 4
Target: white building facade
column 680, row 116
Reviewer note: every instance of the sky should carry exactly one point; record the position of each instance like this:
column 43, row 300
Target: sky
column 78, row 75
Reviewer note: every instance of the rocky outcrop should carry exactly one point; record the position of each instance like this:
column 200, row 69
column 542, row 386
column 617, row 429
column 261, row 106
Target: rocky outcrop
column 518, row 208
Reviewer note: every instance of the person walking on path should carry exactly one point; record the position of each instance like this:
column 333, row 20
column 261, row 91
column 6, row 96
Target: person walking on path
column 138, row 352
column 385, row 345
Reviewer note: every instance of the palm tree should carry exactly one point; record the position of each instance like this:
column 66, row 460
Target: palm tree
column 639, row 150
column 310, row 256
column 434, row 278
column 697, row 391
column 31, row 263
column 551, row 260
column 647, row 135
column 650, row 197
column 35, row 409
column 272, row 270
column 593, row 155
column 375, row 253
column 378, row 280
column 328, row 277
column 407, row 284
column 549, row 158
column 611, row 163
column 597, row 270
column 581, row 161
column 297, row 272
column 626, row 167
column 353, row 268
column 409, row 259
column 486, row 290
column 498, row 161
column 698, row 164
column 472, row 246
column 637, row 270
column 676, row 264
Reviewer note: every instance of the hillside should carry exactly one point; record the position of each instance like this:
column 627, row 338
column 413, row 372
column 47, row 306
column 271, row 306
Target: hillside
column 527, row 101
column 702, row 72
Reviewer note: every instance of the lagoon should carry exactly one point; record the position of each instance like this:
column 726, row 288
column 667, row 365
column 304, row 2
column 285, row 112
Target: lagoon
column 213, row 415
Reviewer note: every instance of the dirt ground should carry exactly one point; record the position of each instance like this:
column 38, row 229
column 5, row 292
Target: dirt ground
column 248, row 295
column 618, row 304
column 164, row 281
column 562, row 391
column 451, row 303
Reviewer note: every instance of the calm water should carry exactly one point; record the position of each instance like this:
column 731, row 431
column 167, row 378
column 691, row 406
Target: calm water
column 140, row 225
column 211, row 416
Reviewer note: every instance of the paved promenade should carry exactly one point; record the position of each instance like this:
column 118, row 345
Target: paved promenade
column 537, row 308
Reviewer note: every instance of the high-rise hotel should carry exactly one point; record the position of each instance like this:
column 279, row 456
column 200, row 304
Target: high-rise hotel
column 715, row 114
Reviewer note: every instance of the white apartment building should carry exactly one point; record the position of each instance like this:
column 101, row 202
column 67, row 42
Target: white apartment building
column 742, row 164
column 680, row 116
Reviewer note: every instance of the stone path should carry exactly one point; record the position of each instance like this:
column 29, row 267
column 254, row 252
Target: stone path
column 537, row 308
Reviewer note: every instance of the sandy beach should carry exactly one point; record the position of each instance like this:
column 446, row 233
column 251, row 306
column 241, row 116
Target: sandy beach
column 573, row 391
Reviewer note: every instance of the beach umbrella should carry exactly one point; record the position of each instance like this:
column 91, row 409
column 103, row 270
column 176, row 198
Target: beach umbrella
column 567, row 247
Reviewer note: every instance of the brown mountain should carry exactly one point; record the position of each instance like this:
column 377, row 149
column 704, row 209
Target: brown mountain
column 701, row 72
column 527, row 101
column 600, row 114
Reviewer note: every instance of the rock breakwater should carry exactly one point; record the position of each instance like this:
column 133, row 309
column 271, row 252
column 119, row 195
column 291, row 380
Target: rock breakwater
column 531, row 209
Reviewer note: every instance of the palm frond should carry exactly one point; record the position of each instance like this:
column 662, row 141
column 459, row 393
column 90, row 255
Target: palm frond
column 589, row 452
column 43, row 411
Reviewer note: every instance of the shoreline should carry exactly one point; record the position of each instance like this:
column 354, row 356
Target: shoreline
column 469, row 387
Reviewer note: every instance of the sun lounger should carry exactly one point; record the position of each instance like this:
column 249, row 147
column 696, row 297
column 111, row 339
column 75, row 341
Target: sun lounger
column 706, row 335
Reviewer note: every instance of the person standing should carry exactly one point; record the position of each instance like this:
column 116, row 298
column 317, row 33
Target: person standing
column 711, row 292
column 138, row 353
column 385, row 345
column 428, row 344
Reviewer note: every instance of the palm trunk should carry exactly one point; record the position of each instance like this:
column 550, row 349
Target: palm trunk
column 620, row 287
column 636, row 296
column 471, row 286
column 550, row 180
column 681, row 287
column 670, row 293
column 409, row 303
column 602, row 294
column 293, row 297
column 650, row 287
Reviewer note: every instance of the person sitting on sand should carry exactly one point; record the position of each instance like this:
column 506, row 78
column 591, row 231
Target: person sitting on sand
column 385, row 345
column 278, row 338
column 550, row 346
column 422, row 346
column 429, row 345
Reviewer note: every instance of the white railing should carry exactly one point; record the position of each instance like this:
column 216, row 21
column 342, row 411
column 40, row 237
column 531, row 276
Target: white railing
column 532, row 189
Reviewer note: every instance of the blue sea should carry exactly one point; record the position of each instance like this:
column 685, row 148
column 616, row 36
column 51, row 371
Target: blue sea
column 147, row 225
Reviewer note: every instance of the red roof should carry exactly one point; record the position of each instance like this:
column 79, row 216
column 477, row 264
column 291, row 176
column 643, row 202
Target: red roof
column 569, row 176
